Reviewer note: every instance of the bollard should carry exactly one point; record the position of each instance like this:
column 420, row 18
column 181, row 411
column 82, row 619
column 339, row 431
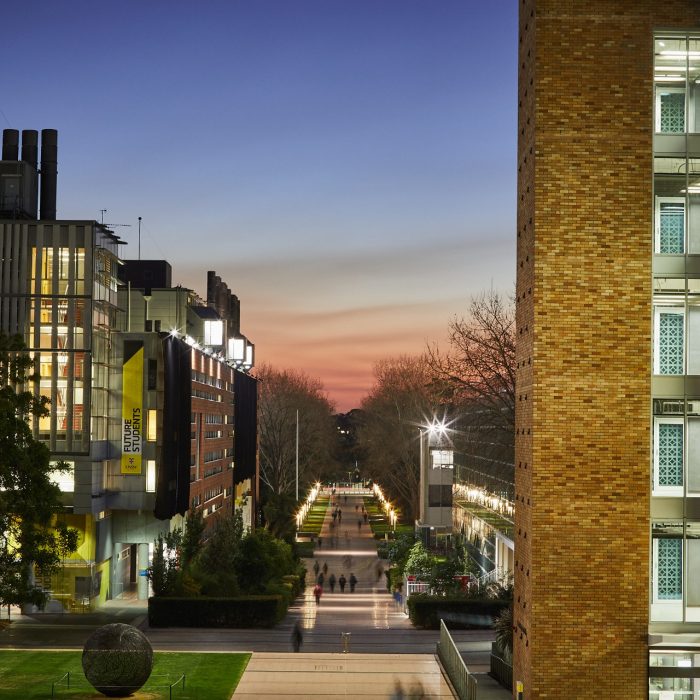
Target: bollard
column 345, row 636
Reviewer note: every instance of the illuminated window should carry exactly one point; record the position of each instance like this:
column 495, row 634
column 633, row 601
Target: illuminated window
column 65, row 480
column 213, row 332
column 152, row 425
column 151, row 476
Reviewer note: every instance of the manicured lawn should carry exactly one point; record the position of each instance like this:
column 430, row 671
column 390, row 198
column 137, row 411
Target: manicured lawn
column 495, row 520
column 28, row 675
column 378, row 520
column 315, row 517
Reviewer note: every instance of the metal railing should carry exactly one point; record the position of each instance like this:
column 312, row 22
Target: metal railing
column 500, row 668
column 462, row 681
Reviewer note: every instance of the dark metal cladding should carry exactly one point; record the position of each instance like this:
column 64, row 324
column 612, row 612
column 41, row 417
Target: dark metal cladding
column 49, row 172
column 30, row 147
column 10, row 144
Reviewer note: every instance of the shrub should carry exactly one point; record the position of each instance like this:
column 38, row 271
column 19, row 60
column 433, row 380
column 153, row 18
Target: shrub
column 241, row 612
column 458, row 612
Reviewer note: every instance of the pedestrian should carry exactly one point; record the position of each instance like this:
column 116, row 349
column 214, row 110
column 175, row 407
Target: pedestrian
column 359, row 524
column 380, row 571
column 320, row 579
column 398, row 691
column 356, row 507
column 318, row 592
column 365, row 516
column 316, row 568
column 297, row 636
column 341, row 582
column 320, row 541
column 325, row 568
column 340, row 515
column 331, row 582
column 345, row 498
column 335, row 515
column 353, row 583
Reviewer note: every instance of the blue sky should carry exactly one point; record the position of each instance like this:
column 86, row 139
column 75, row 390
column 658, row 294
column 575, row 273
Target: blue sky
column 347, row 166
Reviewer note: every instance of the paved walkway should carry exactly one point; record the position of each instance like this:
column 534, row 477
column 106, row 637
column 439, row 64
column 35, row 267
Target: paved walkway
column 383, row 645
column 317, row 676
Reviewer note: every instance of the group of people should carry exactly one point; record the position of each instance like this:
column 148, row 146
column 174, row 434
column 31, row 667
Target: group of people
column 321, row 574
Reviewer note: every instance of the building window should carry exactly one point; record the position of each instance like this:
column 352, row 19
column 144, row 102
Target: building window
column 670, row 110
column 670, row 569
column 668, row 456
column 670, row 225
column 151, row 476
column 669, row 334
column 667, row 572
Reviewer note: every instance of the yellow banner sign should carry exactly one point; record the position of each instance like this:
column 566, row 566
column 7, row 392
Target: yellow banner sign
column 132, row 408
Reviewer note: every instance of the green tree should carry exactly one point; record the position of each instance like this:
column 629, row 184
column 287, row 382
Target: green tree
column 29, row 501
column 215, row 566
column 279, row 515
column 262, row 559
column 420, row 562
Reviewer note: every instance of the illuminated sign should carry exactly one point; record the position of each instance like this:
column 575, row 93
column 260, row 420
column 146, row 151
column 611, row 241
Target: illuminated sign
column 132, row 408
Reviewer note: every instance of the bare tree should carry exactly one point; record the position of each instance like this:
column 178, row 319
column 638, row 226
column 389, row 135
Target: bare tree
column 479, row 372
column 282, row 394
column 403, row 399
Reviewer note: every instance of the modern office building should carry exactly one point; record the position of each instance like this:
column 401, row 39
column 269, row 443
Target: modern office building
column 607, row 466
column 145, row 417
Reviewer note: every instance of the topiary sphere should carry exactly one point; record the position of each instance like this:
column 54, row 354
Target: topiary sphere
column 117, row 660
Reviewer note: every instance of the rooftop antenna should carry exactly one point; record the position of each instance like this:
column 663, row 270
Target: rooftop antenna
column 102, row 215
column 139, row 238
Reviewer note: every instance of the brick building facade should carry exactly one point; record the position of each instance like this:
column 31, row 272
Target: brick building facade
column 587, row 270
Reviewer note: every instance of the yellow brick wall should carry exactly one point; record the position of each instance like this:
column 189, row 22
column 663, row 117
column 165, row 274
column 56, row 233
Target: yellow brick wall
column 584, row 242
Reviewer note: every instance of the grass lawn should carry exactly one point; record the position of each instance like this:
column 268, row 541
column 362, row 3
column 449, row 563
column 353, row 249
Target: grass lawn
column 316, row 515
column 378, row 520
column 28, row 675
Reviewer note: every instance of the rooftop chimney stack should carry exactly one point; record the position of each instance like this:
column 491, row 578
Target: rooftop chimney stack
column 49, row 172
column 30, row 147
column 10, row 144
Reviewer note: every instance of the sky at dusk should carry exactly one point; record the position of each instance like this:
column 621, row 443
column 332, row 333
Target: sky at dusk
column 346, row 166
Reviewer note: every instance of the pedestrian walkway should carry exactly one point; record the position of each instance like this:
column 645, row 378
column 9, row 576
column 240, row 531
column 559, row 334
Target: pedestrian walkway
column 318, row 676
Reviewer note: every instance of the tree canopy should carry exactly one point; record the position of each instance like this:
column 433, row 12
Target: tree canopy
column 29, row 500
column 283, row 393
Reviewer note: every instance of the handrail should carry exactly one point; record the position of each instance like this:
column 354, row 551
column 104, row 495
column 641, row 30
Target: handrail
column 172, row 685
column 463, row 682
column 66, row 675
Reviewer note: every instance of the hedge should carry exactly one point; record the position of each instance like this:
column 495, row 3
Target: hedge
column 458, row 612
column 243, row 611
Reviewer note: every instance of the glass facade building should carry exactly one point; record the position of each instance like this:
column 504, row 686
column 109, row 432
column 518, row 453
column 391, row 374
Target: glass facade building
column 675, row 460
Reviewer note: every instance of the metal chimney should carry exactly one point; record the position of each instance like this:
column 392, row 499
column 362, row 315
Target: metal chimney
column 49, row 172
column 10, row 144
column 30, row 147
column 30, row 155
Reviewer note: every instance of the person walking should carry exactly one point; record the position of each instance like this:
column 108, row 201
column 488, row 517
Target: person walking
column 318, row 592
column 320, row 541
column 331, row 582
column 325, row 568
column 359, row 524
column 297, row 636
column 320, row 579
column 353, row 583
column 341, row 582
column 365, row 516
column 316, row 568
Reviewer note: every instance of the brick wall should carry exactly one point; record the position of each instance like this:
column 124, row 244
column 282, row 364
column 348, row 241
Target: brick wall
column 584, row 343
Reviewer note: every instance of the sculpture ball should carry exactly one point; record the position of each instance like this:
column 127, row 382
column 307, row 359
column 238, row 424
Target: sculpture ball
column 117, row 660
